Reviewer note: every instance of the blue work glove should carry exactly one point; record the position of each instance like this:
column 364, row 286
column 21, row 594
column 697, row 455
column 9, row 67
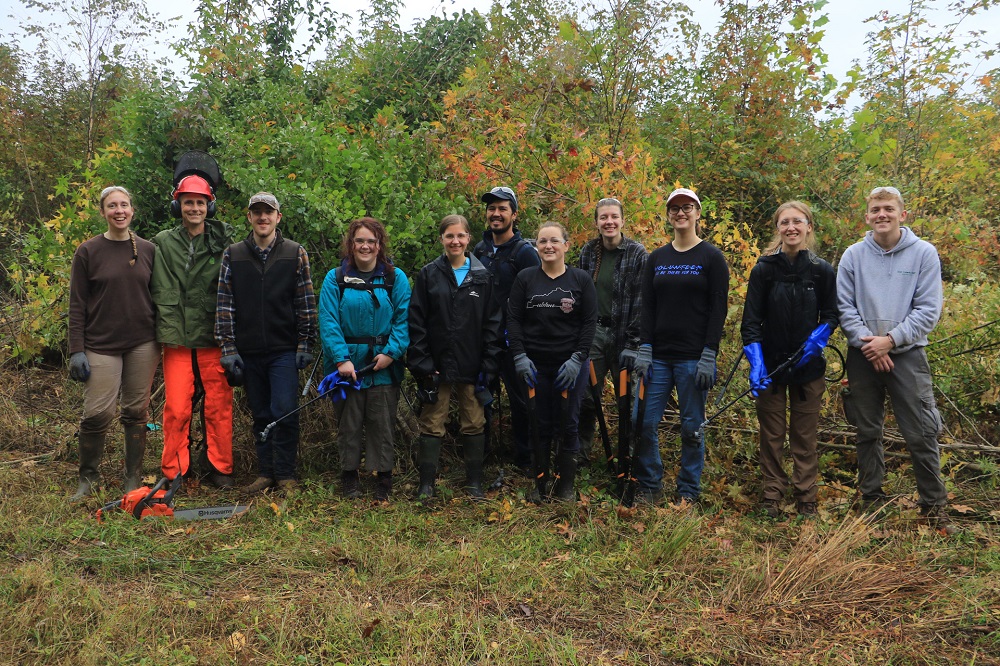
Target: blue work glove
column 815, row 344
column 525, row 369
column 644, row 362
column 335, row 387
column 627, row 359
column 233, row 365
column 759, row 380
column 302, row 359
column 79, row 367
column 704, row 373
column 568, row 372
column 483, row 393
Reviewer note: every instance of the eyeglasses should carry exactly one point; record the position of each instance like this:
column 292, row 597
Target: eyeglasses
column 502, row 190
column 550, row 241
column 792, row 220
column 687, row 208
column 885, row 189
column 610, row 201
column 452, row 237
column 361, row 242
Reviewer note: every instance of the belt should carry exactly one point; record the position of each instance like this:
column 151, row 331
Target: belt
column 606, row 322
column 370, row 340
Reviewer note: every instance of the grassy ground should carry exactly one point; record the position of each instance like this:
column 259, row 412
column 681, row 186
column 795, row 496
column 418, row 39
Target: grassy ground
column 313, row 579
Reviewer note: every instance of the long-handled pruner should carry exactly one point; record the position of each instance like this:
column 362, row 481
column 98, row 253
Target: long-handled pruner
column 270, row 426
column 624, row 428
column 628, row 480
column 729, row 378
column 777, row 371
column 595, row 394
column 541, row 454
column 563, row 426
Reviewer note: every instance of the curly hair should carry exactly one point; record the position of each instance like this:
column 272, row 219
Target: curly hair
column 374, row 226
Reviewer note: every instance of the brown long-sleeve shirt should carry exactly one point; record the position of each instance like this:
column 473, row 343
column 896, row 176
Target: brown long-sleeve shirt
column 110, row 309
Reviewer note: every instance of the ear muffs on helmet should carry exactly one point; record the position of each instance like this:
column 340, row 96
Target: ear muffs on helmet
column 192, row 185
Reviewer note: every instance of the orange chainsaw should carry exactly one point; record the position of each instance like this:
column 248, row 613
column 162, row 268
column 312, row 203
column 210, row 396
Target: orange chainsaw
column 144, row 502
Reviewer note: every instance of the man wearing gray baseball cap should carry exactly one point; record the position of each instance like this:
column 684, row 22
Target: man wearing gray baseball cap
column 265, row 323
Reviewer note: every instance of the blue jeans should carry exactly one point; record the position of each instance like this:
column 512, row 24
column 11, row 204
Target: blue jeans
column 649, row 467
column 272, row 386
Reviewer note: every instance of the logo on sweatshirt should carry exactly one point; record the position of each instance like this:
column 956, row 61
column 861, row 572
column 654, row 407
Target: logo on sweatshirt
column 557, row 298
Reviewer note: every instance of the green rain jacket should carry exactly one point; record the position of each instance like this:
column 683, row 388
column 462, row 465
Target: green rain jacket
column 185, row 283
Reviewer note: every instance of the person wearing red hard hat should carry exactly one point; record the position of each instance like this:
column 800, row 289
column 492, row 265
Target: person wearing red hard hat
column 184, row 287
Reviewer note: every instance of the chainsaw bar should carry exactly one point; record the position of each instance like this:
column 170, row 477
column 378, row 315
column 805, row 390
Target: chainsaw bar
column 211, row 512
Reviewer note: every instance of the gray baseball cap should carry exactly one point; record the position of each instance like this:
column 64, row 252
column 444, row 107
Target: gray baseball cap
column 501, row 194
column 265, row 198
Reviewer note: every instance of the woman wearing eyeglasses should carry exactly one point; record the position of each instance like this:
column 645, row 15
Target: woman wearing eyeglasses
column 362, row 320
column 790, row 312
column 551, row 317
column 685, row 287
column 615, row 264
column 454, row 343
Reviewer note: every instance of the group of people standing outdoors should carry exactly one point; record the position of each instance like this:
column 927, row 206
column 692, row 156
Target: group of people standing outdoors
column 244, row 313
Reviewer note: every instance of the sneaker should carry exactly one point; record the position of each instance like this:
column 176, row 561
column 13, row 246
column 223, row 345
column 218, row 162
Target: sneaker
column 806, row 508
column 773, row 508
column 260, row 484
column 938, row 518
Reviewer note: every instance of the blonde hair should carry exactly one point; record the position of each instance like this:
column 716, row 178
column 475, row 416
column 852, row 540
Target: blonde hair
column 885, row 192
column 774, row 246
column 557, row 225
column 105, row 193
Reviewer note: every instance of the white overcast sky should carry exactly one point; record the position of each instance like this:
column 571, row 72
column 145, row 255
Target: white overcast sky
column 844, row 41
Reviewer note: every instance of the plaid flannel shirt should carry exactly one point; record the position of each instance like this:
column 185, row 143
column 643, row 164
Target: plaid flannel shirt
column 626, row 286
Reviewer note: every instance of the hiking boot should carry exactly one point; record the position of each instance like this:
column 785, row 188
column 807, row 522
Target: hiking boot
column 648, row 497
column 474, row 449
column 938, row 518
column 135, row 450
column 540, row 490
column 260, row 484
column 685, row 504
column 350, row 484
column 288, row 486
column 428, row 454
column 221, row 481
column 807, row 509
column 773, row 508
column 872, row 504
column 383, row 486
column 91, row 451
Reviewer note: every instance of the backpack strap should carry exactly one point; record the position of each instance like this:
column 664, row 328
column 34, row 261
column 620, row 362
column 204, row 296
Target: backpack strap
column 345, row 282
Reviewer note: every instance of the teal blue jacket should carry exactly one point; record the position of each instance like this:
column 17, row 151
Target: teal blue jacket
column 355, row 315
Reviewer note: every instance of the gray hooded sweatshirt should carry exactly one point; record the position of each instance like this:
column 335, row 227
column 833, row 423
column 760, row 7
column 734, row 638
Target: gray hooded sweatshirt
column 897, row 291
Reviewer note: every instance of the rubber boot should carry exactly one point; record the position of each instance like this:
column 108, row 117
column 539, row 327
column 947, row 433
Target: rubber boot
column 91, row 452
column 135, row 449
column 540, row 492
column 428, row 454
column 475, row 452
column 351, row 484
column 564, row 490
column 383, row 486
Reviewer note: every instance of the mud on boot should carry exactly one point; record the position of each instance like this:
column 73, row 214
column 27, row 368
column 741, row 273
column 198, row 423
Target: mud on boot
column 91, row 452
column 135, row 450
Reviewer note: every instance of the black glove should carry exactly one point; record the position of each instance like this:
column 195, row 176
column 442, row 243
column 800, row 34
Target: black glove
column 79, row 367
column 233, row 365
column 302, row 359
column 427, row 389
column 704, row 374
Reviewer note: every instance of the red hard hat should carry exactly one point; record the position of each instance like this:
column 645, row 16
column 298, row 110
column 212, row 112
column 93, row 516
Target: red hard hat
column 194, row 185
